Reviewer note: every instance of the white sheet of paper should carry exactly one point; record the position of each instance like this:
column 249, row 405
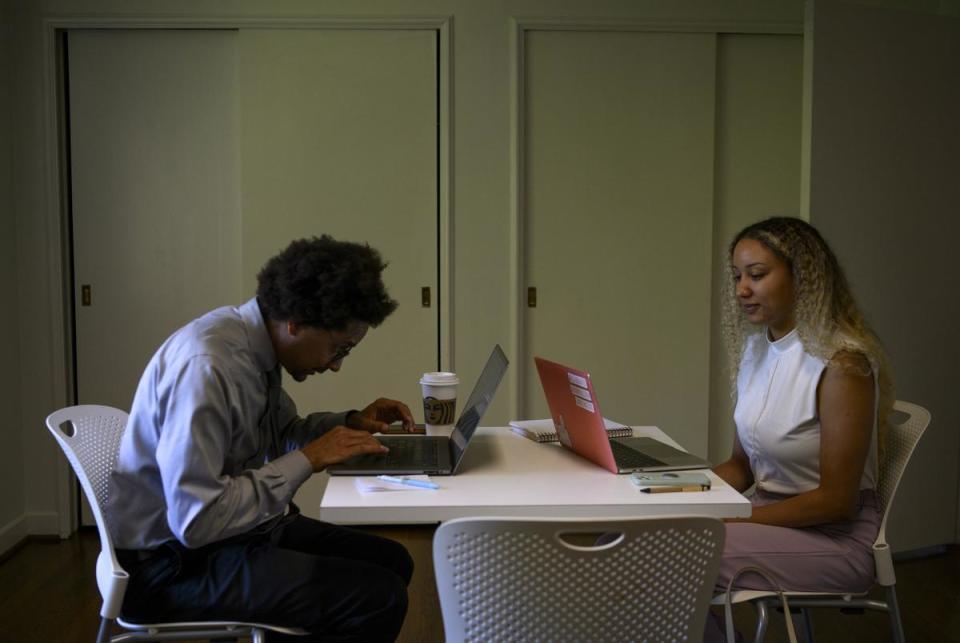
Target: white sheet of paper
column 370, row 484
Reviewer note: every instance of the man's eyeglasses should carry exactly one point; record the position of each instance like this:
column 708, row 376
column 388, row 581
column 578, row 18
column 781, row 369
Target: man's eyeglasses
column 341, row 352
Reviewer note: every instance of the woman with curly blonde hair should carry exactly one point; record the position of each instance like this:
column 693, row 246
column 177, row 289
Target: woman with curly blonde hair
column 812, row 396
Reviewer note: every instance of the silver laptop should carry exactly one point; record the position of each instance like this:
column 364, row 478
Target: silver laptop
column 433, row 455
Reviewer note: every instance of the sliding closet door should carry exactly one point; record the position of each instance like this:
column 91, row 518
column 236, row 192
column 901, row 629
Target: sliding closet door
column 339, row 137
column 619, row 198
column 197, row 155
column 155, row 195
column 757, row 174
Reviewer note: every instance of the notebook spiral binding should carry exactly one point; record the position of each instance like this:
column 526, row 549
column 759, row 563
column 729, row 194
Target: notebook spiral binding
column 551, row 436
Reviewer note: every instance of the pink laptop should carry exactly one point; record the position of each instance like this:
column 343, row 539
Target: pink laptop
column 576, row 416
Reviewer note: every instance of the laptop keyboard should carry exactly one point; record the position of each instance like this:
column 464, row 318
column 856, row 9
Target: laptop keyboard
column 627, row 458
column 421, row 451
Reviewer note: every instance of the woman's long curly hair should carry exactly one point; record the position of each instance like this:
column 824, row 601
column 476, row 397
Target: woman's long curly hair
column 827, row 317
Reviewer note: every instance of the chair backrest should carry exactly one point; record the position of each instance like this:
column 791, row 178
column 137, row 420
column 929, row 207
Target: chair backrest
column 901, row 440
column 529, row 578
column 90, row 438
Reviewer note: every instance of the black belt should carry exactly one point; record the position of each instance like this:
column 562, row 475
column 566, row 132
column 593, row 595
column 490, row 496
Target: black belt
column 129, row 558
column 132, row 558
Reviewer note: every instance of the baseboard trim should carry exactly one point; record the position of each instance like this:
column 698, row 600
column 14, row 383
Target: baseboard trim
column 921, row 552
column 13, row 534
column 28, row 525
column 44, row 523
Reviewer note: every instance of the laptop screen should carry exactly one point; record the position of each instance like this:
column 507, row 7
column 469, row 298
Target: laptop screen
column 478, row 402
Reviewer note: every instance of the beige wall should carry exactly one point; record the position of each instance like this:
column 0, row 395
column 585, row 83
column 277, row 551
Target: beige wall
column 940, row 7
column 12, row 499
column 884, row 165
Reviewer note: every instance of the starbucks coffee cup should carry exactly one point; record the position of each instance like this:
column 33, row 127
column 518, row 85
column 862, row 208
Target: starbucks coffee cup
column 439, row 402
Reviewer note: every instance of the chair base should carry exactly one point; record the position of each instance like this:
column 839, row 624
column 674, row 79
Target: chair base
column 211, row 630
column 804, row 601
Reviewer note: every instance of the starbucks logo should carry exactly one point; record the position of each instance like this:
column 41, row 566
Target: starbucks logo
column 438, row 411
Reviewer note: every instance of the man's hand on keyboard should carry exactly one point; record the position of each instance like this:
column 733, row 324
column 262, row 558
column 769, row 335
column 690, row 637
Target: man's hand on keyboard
column 380, row 414
column 338, row 444
column 399, row 429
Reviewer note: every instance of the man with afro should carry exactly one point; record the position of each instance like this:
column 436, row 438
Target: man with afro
column 200, row 502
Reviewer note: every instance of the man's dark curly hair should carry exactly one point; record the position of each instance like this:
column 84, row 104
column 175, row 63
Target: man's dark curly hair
column 325, row 283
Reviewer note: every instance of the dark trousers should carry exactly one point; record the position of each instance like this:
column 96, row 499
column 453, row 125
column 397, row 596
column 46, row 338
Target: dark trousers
column 337, row 583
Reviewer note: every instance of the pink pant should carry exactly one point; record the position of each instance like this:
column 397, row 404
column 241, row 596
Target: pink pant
column 834, row 557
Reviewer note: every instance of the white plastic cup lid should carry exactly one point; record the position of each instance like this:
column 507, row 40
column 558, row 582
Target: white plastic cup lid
column 440, row 378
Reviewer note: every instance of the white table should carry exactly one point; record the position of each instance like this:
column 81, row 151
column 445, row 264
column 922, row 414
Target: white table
column 504, row 474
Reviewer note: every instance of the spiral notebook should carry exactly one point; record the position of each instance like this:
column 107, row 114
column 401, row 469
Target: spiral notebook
column 543, row 430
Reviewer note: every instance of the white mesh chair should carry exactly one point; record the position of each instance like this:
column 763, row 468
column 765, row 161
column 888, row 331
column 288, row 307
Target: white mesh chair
column 528, row 579
column 901, row 439
column 90, row 438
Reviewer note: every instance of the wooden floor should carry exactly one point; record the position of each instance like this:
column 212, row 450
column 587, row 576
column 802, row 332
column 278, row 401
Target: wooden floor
column 48, row 594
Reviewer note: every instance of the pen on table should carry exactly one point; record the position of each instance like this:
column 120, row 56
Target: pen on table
column 695, row 487
column 423, row 484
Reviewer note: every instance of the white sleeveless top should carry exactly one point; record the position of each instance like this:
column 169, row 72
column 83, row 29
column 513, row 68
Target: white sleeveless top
column 776, row 415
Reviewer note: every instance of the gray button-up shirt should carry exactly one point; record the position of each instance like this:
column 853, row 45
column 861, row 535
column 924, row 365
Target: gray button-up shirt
column 197, row 462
